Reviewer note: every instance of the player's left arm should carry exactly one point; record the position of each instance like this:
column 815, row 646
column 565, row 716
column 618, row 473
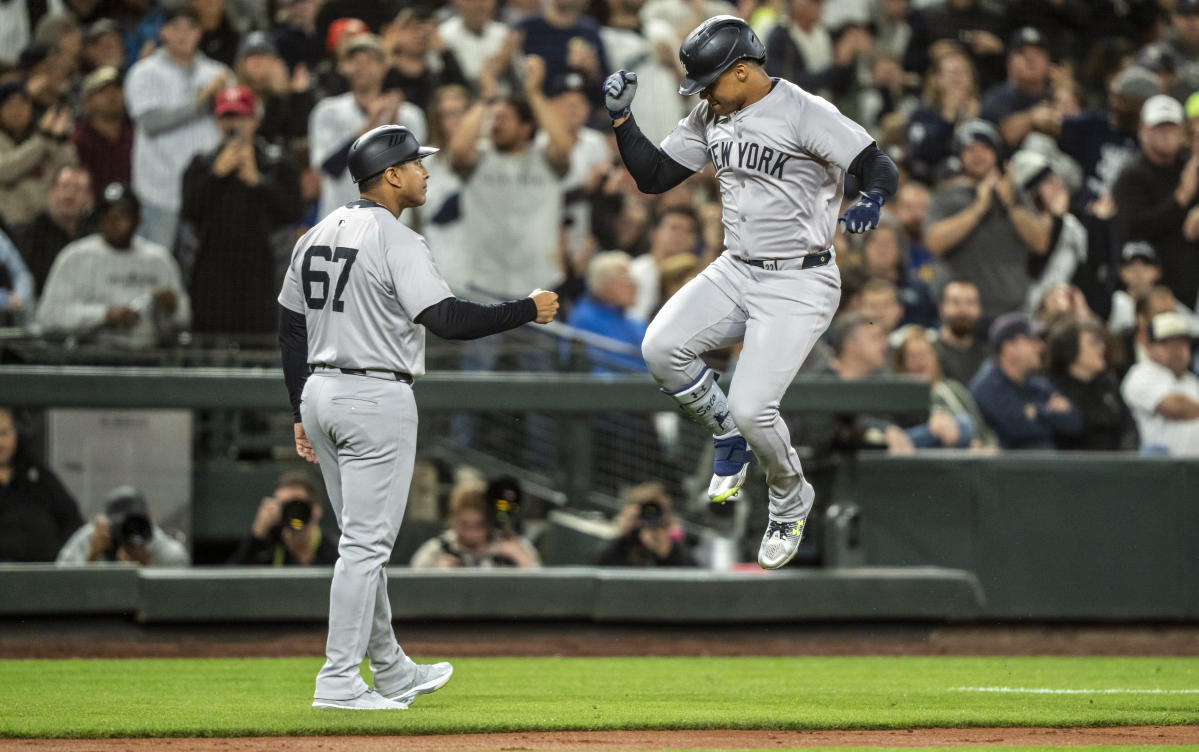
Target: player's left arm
column 293, row 344
column 878, row 179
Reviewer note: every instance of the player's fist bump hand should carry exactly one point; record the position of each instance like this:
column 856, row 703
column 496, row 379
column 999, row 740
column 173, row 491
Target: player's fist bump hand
column 619, row 90
column 547, row 305
column 864, row 214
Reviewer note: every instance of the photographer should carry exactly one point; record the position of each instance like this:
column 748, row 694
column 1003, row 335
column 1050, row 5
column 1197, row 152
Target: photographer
column 287, row 528
column 125, row 532
column 483, row 531
column 648, row 536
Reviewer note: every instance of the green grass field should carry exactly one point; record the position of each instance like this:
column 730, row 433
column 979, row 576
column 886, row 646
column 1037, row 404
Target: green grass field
column 252, row 697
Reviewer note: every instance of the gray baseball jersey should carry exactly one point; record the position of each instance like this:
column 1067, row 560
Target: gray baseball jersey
column 360, row 277
column 781, row 165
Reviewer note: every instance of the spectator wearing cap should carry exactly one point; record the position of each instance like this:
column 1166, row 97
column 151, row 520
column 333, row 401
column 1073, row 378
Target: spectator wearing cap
column 1159, row 59
column 103, row 137
column 37, row 513
column 374, row 14
column 1182, row 38
column 800, row 49
column 1157, row 195
column 1041, row 189
column 1163, row 393
column 30, row 153
column 1140, row 272
column 294, row 34
column 330, row 79
column 234, row 199
column 1022, row 407
column 419, row 62
column 972, row 25
column 126, row 532
column 1065, row 24
column 950, row 99
column 1022, row 103
column 169, row 97
column 68, row 203
column 336, row 122
column 567, row 40
column 1157, row 300
column 473, row 35
column 1103, row 141
column 113, row 286
column 977, row 229
column 1077, row 365
column 286, row 98
column 102, row 45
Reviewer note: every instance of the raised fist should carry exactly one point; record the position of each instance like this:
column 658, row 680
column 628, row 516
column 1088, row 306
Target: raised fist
column 619, row 89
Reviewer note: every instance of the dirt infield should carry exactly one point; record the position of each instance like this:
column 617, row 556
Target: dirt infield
column 597, row 741
column 49, row 639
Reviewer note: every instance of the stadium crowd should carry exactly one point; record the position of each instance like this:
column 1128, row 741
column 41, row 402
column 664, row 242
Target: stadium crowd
column 1038, row 267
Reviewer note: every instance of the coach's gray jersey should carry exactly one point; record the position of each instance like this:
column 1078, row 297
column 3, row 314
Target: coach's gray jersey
column 781, row 164
column 360, row 277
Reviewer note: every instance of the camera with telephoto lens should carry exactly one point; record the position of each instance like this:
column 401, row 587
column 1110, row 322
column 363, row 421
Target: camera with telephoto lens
column 651, row 514
column 296, row 513
column 128, row 519
column 504, row 496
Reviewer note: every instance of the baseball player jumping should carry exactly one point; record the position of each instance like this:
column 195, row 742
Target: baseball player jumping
column 780, row 156
column 359, row 292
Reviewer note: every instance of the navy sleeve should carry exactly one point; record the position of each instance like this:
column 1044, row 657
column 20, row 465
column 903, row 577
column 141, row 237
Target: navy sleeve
column 875, row 172
column 336, row 163
column 293, row 343
column 454, row 318
column 652, row 168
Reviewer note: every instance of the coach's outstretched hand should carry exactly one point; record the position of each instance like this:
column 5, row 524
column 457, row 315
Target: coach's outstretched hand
column 547, row 305
column 619, row 90
column 863, row 215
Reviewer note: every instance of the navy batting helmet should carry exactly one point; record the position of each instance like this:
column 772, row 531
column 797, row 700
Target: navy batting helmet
column 714, row 46
column 383, row 147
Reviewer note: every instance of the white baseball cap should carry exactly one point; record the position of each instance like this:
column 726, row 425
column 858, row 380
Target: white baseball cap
column 1161, row 108
column 1167, row 326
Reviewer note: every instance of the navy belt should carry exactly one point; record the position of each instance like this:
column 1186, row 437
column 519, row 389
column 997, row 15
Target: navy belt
column 373, row 373
column 810, row 261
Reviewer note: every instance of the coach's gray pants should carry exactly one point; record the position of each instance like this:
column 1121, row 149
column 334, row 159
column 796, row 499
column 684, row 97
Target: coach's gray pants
column 778, row 315
column 363, row 430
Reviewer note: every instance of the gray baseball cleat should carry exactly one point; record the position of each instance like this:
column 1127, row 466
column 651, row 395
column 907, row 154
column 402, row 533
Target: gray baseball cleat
column 780, row 543
column 368, row 700
column 429, row 677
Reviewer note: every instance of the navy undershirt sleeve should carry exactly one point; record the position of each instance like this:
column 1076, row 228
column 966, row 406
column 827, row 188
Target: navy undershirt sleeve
column 654, row 171
column 454, row 318
column 875, row 172
column 293, row 343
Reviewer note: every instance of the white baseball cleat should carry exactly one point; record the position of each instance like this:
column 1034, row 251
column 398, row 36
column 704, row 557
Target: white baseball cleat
column 730, row 465
column 368, row 700
column 429, row 677
column 780, row 543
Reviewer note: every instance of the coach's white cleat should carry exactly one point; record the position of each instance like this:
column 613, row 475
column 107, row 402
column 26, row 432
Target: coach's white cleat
column 429, row 677
column 368, row 700
column 780, row 543
column 729, row 467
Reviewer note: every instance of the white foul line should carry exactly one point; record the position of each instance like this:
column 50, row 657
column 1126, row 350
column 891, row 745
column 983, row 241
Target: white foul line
column 1049, row 691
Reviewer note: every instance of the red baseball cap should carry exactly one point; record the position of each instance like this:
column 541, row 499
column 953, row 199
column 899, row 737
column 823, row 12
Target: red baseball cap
column 343, row 26
column 236, row 100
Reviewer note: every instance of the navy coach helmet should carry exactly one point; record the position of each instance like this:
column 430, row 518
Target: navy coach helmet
column 383, row 147
column 713, row 47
